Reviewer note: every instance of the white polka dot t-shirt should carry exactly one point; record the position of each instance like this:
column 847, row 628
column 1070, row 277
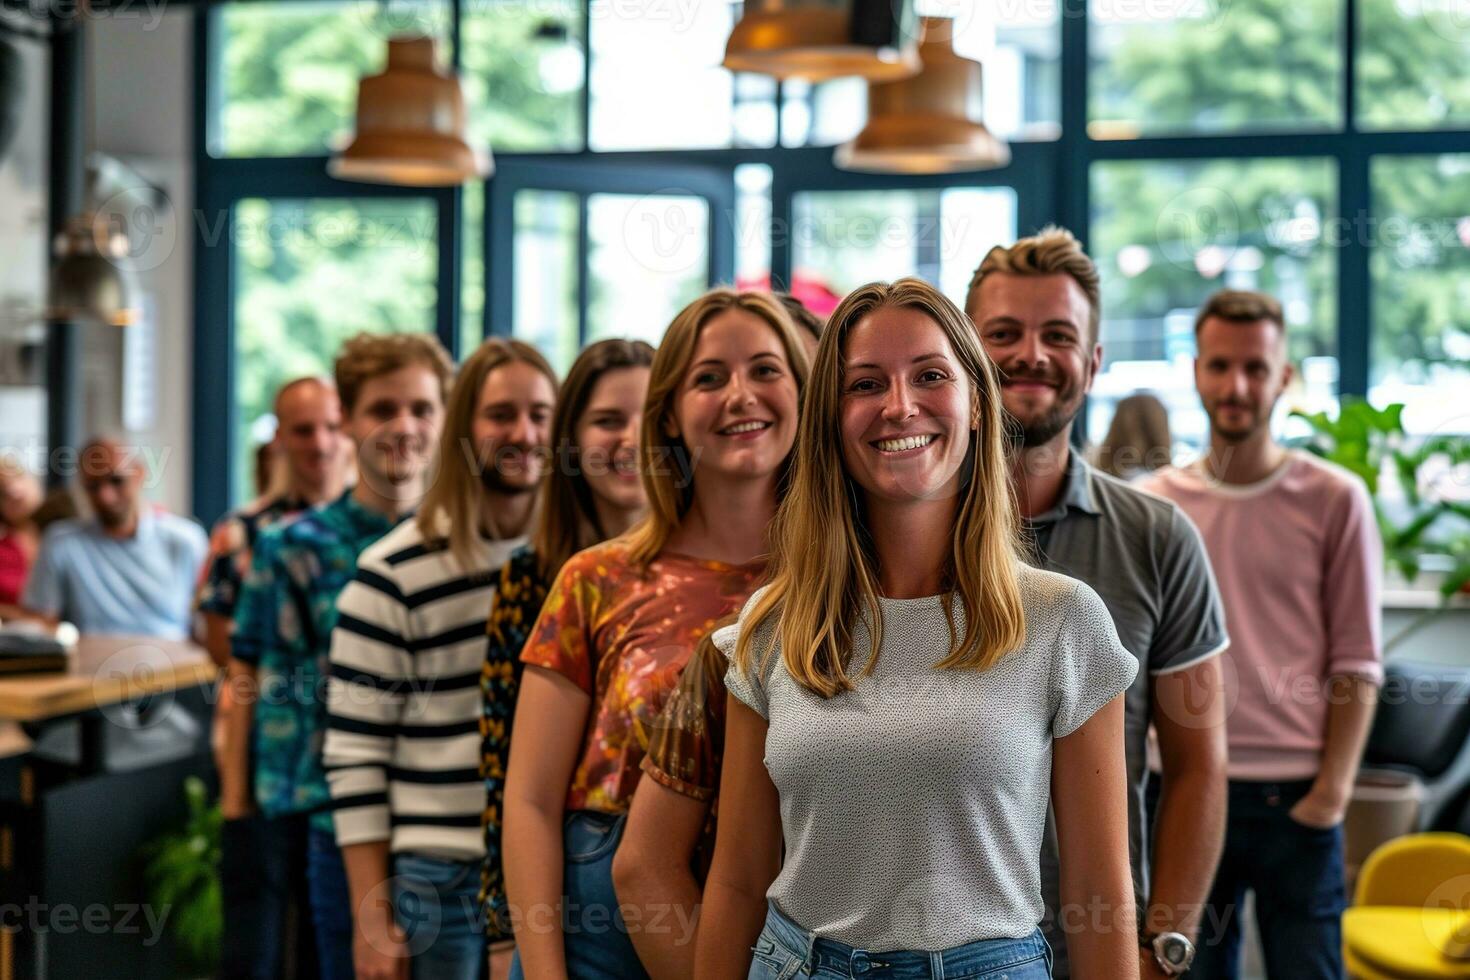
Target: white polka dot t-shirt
column 913, row 806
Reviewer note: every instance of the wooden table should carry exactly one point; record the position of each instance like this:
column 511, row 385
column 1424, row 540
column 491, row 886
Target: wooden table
column 40, row 844
column 105, row 670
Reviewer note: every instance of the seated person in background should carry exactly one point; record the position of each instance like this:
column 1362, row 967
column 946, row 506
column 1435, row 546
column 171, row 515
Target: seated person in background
column 20, row 497
column 129, row 568
column 1138, row 440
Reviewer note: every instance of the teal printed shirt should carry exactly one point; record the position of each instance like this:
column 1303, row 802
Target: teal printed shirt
column 283, row 627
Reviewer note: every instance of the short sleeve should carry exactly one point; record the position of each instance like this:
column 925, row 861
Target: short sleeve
column 256, row 617
column 561, row 640
column 1089, row 664
column 220, row 588
column 683, row 750
column 1191, row 618
column 748, row 686
column 1352, row 572
column 44, row 590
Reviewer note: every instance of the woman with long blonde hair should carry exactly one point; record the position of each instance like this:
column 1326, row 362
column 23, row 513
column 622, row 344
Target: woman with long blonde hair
column 906, row 695
column 623, row 617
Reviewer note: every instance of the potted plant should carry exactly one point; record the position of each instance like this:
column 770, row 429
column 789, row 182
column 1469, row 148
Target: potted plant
column 181, row 873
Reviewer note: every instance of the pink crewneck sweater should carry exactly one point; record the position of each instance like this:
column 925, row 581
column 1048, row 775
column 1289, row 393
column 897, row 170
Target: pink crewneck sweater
column 1299, row 563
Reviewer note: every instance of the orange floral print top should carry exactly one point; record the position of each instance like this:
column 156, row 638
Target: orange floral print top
column 624, row 636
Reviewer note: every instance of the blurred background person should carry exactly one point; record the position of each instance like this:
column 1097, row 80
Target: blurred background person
column 129, row 568
column 301, row 467
column 20, row 498
column 1138, row 440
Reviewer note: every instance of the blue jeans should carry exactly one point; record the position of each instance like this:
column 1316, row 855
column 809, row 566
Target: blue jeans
column 1297, row 876
column 436, row 903
column 596, row 938
column 331, row 905
column 785, row 950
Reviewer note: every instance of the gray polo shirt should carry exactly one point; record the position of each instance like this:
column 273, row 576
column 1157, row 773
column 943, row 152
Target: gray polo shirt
column 1147, row 562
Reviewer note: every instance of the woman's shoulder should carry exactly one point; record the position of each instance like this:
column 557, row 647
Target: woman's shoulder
column 608, row 559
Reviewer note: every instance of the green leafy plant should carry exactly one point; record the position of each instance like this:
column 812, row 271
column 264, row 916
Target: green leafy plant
column 181, row 873
column 1372, row 442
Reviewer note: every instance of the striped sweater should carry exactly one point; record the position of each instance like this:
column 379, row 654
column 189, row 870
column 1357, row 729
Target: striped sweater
column 402, row 750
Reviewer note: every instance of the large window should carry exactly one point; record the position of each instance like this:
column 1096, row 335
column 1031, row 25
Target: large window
column 1193, row 144
column 1171, row 232
column 1421, row 289
column 309, row 274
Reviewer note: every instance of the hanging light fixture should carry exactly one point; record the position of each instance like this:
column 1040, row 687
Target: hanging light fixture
column 410, row 125
column 822, row 39
column 88, row 278
column 928, row 124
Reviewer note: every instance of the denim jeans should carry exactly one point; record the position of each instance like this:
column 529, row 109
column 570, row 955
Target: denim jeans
column 784, row 951
column 596, row 938
column 1296, row 873
column 331, row 905
column 436, row 903
column 267, row 926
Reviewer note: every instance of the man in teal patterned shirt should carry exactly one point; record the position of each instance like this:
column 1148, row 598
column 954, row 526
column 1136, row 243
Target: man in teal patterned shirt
column 392, row 390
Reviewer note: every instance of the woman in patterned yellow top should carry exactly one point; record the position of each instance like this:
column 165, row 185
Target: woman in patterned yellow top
column 623, row 618
column 592, row 493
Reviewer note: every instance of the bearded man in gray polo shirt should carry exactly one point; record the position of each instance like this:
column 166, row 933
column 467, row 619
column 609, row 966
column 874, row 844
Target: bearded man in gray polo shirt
column 1035, row 305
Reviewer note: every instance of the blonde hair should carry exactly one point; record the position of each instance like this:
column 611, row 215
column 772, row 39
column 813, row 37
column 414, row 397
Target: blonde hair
column 1051, row 251
column 450, row 507
column 372, row 355
column 671, row 493
column 824, row 572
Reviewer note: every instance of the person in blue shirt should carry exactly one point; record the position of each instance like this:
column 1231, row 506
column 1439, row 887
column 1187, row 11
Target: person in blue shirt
column 392, row 393
column 129, row 568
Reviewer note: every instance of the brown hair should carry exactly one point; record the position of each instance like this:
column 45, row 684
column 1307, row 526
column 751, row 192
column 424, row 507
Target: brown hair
column 372, row 355
column 1051, row 251
column 800, row 315
column 450, row 507
column 568, row 520
column 1241, row 306
column 1138, row 437
column 824, row 572
column 670, row 488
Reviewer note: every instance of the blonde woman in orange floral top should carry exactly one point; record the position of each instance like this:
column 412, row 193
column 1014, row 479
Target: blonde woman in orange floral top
column 623, row 617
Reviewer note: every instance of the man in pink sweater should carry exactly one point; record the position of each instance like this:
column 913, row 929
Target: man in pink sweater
column 1297, row 556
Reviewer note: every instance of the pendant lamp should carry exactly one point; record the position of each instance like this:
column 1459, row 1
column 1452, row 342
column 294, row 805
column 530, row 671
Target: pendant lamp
column 88, row 277
column 822, row 39
column 410, row 125
column 928, row 124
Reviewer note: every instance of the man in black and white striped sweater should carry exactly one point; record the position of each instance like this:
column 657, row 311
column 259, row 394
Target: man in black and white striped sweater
column 402, row 749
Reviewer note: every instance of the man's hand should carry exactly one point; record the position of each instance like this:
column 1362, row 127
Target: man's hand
column 379, row 947
column 1322, row 808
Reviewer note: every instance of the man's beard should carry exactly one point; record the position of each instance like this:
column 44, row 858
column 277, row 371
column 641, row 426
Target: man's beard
column 495, row 482
column 1237, row 435
column 1040, row 431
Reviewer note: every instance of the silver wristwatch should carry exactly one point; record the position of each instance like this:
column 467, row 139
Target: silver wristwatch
column 1172, row 951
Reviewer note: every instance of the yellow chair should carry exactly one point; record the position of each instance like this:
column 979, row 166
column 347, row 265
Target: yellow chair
column 1410, row 918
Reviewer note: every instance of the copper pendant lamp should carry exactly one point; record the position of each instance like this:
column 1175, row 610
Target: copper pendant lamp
column 410, row 125
column 821, row 39
column 928, row 124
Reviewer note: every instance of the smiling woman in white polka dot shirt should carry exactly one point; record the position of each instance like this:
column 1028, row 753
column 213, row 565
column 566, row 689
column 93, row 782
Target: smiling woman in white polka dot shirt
column 906, row 695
